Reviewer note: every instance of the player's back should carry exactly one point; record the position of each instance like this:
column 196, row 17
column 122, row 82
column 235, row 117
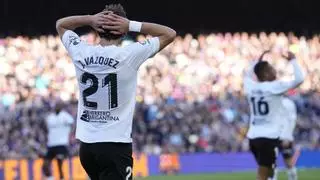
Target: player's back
column 266, row 109
column 107, row 79
column 107, row 90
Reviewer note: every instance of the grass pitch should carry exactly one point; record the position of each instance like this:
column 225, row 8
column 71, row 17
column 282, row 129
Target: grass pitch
column 307, row 174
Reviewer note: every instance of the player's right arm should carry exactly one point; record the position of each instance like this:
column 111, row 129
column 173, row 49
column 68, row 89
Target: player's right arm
column 72, row 22
column 248, row 79
column 121, row 25
column 279, row 87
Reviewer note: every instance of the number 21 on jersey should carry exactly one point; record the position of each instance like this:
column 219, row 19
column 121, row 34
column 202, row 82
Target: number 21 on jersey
column 109, row 80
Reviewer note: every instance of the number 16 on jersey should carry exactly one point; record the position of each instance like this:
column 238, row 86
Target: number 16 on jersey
column 260, row 109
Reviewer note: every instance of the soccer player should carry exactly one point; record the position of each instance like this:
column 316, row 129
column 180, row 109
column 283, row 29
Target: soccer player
column 59, row 125
column 286, row 138
column 107, row 79
column 266, row 122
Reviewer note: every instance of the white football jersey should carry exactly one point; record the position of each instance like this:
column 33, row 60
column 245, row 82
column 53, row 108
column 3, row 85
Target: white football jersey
column 59, row 128
column 107, row 80
column 290, row 118
column 265, row 99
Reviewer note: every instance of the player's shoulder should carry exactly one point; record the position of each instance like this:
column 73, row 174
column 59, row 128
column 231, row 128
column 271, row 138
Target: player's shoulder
column 269, row 86
column 73, row 41
column 134, row 45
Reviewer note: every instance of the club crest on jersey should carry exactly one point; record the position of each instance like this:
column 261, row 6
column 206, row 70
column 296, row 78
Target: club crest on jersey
column 145, row 42
column 74, row 40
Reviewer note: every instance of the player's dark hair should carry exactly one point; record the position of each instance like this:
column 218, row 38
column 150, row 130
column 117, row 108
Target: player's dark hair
column 260, row 68
column 118, row 10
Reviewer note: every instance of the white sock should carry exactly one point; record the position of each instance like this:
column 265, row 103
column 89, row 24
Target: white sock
column 275, row 174
column 292, row 174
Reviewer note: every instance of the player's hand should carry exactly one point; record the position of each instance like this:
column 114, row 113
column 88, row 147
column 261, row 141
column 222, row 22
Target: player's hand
column 290, row 56
column 264, row 53
column 117, row 24
column 98, row 20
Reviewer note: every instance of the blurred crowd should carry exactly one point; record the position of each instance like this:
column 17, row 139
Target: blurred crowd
column 189, row 96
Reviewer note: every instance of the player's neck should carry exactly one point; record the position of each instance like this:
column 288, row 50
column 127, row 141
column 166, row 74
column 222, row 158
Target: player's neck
column 104, row 42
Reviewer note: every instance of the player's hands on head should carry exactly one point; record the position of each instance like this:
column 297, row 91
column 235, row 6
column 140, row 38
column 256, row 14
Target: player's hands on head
column 290, row 56
column 98, row 20
column 116, row 24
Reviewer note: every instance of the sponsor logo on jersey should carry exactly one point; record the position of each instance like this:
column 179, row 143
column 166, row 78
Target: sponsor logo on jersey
column 98, row 116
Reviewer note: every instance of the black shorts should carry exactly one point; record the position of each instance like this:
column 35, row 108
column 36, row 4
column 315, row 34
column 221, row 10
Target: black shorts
column 288, row 151
column 59, row 152
column 265, row 151
column 107, row 161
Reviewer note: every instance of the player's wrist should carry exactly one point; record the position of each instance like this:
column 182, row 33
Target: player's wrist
column 89, row 20
column 135, row 26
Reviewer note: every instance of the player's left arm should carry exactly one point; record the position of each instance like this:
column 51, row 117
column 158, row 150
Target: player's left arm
column 72, row 22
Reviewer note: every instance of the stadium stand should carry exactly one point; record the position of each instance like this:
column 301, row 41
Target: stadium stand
column 189, row 96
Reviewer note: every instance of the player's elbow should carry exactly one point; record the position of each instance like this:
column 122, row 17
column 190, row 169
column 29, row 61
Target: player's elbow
column 58, row 24
column 171, row 35
column 167, row 38
column 59, row 27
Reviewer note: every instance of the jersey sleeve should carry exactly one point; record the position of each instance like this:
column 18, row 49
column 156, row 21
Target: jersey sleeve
column 279, row 87
column 72, row 42
column 139, row 52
